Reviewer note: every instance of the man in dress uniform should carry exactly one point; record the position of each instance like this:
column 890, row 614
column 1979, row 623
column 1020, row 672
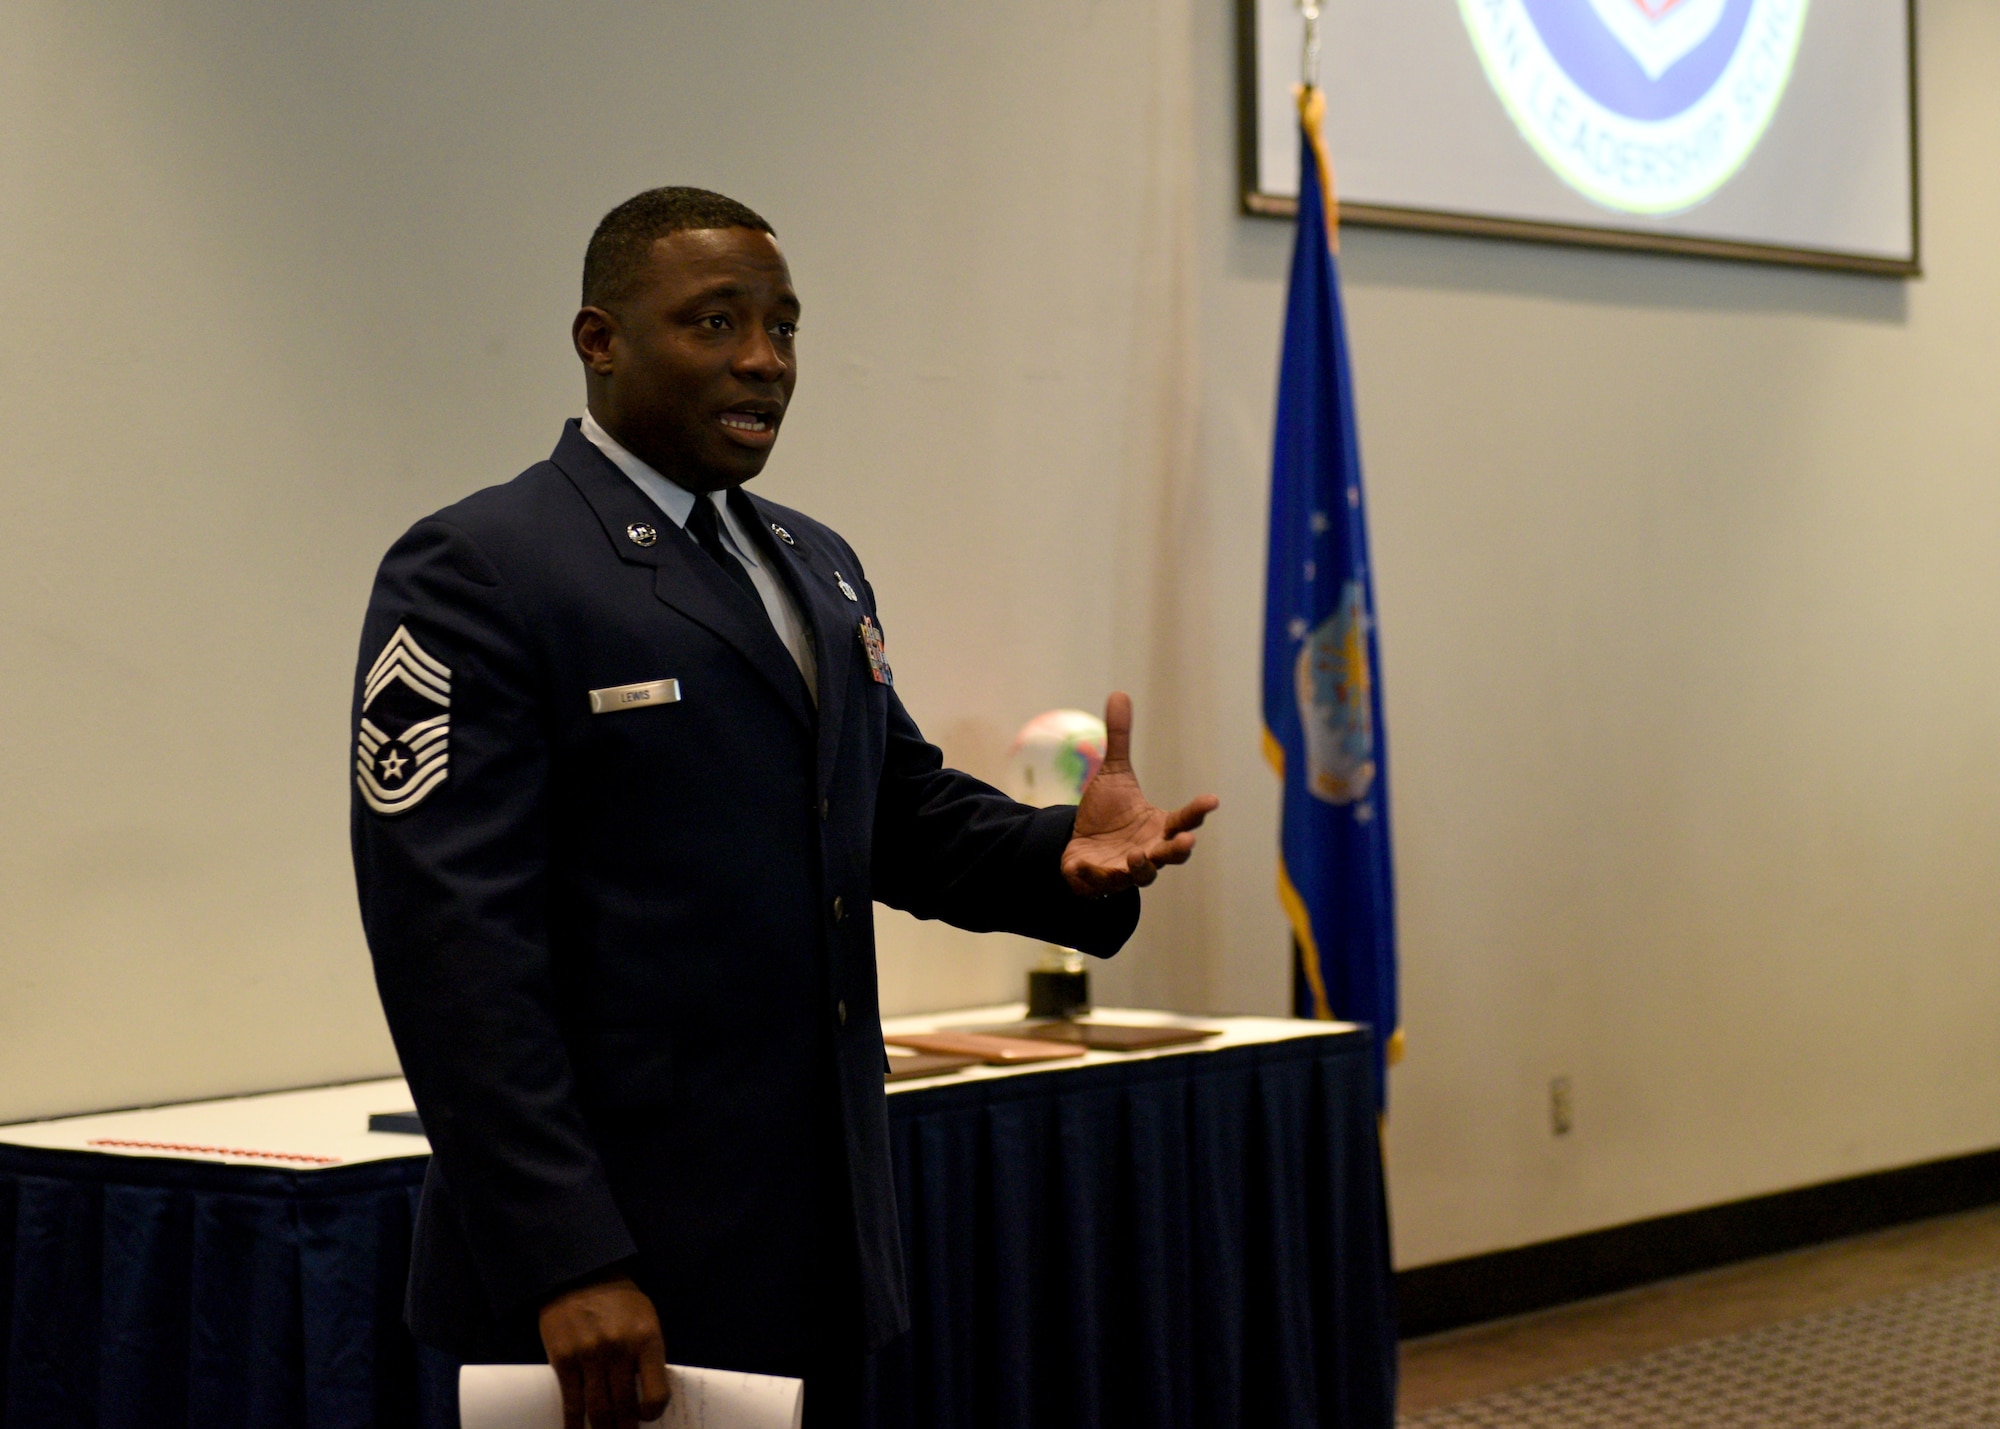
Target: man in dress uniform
column 630, row 771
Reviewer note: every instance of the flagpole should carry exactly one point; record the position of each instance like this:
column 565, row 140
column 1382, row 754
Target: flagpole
column 1312, row 118
column 1322, row 711
column 1305, row 967
column 1309, row 60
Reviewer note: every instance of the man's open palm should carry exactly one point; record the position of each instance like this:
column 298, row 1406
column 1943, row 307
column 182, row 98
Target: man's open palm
column 1121, row 840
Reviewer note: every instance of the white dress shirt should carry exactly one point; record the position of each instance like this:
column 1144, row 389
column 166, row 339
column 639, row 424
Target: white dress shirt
column 676, row 503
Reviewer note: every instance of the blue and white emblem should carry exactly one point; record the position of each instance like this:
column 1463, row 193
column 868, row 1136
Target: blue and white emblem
column 1642, row 106
column 401, row 747
column 1335, row 705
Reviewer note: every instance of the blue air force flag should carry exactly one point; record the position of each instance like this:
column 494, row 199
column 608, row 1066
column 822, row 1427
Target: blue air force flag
column 1322, row 691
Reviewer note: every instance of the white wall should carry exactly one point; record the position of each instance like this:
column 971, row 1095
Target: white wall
column 1688, row 632
column 1690, row 603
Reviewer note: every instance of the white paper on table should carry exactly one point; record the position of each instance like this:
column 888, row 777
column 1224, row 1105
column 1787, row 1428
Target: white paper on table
column 528, row 1396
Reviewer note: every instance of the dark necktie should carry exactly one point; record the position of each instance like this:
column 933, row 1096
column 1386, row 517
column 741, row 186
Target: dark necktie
column 706, row 527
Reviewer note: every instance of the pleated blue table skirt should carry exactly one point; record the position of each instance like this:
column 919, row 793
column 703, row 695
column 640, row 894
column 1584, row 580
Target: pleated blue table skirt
column 1193, row 1240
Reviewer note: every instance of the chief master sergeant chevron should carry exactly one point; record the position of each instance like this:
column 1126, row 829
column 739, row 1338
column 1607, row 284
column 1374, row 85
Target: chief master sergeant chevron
column 630, row 771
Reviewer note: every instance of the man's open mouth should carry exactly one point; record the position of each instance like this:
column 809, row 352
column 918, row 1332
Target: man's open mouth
column 748, row 421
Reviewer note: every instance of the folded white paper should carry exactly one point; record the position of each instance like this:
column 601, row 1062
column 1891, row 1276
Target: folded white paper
column 527, row 1396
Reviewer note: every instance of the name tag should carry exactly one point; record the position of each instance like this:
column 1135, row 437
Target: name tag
column 632, row 697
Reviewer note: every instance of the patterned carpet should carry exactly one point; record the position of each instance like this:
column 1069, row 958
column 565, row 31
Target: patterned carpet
column 1928, row 1358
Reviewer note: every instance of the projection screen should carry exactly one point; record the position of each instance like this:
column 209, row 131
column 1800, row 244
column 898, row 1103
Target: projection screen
column 1774, row 130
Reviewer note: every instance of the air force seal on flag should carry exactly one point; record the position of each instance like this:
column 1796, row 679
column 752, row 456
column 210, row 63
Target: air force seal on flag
column 1335, row 708
column 400, row 751
column 1642, row 106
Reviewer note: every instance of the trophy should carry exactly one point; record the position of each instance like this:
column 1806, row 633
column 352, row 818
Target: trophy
column 1050, row 761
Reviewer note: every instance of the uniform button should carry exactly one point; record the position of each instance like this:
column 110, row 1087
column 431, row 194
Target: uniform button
column 839, row 908
column 840, row 1011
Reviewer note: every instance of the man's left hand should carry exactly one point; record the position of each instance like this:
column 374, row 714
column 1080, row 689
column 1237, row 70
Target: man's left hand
column 1121, row 840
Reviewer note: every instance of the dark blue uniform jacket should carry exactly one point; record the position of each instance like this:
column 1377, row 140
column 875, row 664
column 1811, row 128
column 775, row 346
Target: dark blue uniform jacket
column 628, row 958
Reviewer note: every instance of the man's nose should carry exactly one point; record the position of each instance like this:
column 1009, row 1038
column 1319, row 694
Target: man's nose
column 759, row 358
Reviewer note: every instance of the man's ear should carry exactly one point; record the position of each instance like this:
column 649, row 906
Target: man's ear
column 592, row 332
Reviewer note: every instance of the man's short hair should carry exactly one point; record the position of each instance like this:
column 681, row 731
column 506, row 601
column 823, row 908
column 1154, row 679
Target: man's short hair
column 616, row 259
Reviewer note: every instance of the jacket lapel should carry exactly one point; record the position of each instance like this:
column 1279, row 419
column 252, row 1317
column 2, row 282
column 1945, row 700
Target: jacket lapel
column 835, row 620
column 684, row 575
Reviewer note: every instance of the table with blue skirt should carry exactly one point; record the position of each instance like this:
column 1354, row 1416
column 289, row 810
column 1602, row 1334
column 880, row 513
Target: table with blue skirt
column 1190, row 1237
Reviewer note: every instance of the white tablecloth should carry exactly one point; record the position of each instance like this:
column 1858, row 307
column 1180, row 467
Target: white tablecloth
column 322, row 1127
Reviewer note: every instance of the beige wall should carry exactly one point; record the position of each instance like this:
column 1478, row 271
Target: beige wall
column 1686, row 574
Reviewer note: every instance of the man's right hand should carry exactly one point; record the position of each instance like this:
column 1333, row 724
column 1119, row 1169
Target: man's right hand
column 603, row 1340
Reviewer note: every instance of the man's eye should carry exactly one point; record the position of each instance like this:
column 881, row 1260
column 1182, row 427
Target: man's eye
column 715, row 322
column 786, row 330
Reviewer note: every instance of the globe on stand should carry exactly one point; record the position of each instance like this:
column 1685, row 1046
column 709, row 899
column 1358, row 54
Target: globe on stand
column 1050, row 762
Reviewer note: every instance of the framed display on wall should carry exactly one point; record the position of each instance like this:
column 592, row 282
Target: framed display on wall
column 1780, row 131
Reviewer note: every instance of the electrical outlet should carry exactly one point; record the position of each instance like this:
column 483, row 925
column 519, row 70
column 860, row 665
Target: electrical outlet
column 1561, row 1113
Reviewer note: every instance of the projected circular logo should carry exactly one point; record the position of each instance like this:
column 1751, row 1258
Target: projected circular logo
column 1644, row 106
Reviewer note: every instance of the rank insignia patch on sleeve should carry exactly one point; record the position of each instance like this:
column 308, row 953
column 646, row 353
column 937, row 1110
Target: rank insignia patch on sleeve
column 400, row 751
